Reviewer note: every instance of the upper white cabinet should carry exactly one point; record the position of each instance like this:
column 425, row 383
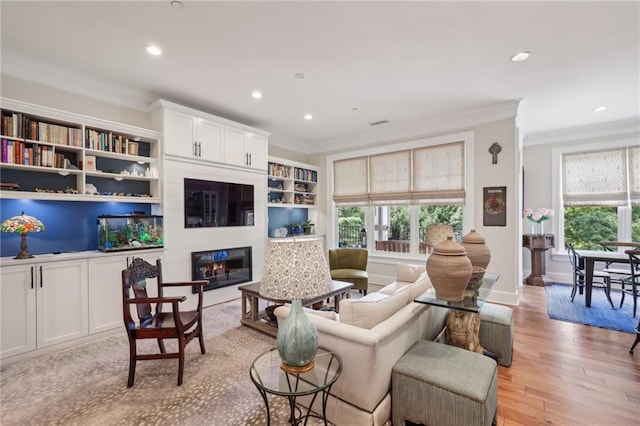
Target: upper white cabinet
column 192, row 137
column 244, row 148
column 192, row 134
column 51, row 154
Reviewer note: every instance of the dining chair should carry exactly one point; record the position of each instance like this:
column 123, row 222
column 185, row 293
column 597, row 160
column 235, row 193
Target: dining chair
column 181, row 325
column 579, row 275
column 634, row 262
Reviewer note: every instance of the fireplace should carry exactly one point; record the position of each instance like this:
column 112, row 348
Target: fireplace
column 222, row 267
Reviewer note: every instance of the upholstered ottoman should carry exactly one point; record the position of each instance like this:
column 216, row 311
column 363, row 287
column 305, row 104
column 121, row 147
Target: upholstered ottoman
column 496, row 331
column 438, row 384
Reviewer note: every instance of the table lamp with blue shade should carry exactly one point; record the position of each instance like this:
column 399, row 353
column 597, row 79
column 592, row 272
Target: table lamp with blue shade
column 22, row 224
column 296, row 270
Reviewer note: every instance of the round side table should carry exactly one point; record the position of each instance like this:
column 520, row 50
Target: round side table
column 269, row 378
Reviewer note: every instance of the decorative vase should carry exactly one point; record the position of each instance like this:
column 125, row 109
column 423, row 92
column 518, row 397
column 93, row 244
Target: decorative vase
column 537, row 228
column 449, row 269
column 477, row 250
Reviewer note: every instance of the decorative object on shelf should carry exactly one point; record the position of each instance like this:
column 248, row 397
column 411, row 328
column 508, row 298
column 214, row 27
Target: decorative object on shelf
column 477, row 250
column 22, row 224
column 280, row 232
column 537, row 219
column 306, row 227
column 449, row 269
column 296, row 270
column 296, row 229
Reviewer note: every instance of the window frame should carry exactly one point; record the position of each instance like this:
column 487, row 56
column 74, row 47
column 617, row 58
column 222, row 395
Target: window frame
column 557, row 222
column 467, row 138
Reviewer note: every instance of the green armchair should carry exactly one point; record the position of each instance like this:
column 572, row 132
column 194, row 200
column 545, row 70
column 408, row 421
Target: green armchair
column 350, row 265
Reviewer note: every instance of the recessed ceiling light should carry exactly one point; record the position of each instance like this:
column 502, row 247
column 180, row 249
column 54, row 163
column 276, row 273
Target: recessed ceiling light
column 600, row 108
column 308, row 116
column 299, row 76
column 520, row 56
column 177, row 4
column 256, row 94
column 354, row 109
column 153, row 49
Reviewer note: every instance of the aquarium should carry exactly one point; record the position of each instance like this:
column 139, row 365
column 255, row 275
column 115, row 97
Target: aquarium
column 129, row 232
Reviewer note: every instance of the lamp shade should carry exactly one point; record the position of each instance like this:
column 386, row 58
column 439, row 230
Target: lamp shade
column 295, row 269
column 21, row 224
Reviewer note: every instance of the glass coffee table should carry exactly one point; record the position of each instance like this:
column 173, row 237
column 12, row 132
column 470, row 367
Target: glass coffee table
column 269, row 378
column 463, row 320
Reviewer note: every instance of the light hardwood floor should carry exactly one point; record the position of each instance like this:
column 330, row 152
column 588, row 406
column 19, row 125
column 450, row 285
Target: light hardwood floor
column 567, row 374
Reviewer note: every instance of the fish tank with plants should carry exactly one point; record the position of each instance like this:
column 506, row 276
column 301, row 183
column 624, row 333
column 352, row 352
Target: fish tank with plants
column 129, row 232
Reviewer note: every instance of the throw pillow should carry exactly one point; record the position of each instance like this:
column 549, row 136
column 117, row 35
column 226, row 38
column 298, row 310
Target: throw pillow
column 372, row 309
column 409, row 273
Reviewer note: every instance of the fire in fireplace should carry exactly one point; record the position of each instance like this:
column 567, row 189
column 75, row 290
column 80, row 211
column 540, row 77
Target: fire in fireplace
column 222, row 267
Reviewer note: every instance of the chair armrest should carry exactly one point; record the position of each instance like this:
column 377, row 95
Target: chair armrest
column 185, row 283
column 156, row 300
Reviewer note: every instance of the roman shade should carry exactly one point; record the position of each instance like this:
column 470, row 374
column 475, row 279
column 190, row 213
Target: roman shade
column 601, row 178
column 425, row 175
column 351, row 181
column 438, row 174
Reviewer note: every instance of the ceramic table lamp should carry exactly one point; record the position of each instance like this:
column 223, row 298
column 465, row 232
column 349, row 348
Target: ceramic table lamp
column 296, row 270
column 22, row 224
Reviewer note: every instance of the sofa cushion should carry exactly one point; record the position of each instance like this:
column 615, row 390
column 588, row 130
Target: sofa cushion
column 330, row 315
column 422, row 284
column 372, row 309
column 409, row 273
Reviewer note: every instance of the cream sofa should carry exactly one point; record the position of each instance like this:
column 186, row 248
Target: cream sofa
column 371, row 334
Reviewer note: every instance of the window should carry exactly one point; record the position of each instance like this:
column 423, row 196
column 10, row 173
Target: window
column 600, row 195
column 386, row 197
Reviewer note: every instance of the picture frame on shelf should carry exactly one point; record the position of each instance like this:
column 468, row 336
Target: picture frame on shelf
column 90, row 163
column 132, row 148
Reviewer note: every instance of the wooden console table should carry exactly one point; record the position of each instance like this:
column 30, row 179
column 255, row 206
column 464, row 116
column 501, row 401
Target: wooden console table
column 251, row 297
column 538, row 245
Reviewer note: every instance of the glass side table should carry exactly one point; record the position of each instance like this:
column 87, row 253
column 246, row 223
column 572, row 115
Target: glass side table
column 269, row 378
column 463, row 320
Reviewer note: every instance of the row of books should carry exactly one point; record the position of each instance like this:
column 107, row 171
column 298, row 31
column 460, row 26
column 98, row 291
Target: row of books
column 279, row 170
column 305, row 174
column 16, row 152
column 18, row 125
column 110, row 142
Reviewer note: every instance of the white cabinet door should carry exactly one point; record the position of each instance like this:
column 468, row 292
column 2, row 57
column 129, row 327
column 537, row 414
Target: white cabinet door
column 179, row 134
column 105, row 293
column 18, row 315
column 209, row 140
column 257, row 149
column 235, row 147
column 62, row 301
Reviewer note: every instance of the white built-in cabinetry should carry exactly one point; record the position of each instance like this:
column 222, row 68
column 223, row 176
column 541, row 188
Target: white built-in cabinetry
column 43, row 304
column 51, row 154
column 195, row 135
column 59, row 299
column 290, row 183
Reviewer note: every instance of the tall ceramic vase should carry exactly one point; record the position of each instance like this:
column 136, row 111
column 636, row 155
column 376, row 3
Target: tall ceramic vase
column 449, row 269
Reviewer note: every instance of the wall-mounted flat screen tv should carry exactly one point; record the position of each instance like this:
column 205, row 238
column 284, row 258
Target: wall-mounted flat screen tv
column 210, row 204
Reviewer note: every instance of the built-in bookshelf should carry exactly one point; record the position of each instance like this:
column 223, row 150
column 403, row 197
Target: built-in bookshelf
column 52, row 154
column 291, row 184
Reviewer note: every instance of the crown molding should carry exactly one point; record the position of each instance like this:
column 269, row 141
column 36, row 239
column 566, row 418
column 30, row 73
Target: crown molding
column 426, row 127
column 80, row 84
column 630, row 126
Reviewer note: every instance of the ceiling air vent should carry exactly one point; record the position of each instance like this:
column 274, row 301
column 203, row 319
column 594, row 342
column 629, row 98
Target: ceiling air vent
column 377, row 123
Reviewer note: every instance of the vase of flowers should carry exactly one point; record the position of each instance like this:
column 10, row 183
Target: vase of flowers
column 537, row 219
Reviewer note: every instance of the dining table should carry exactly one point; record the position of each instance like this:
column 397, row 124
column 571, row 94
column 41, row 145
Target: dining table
column 587, row 262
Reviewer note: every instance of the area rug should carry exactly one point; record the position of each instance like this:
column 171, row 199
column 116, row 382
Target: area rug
column 600, row 314
column 87, row 384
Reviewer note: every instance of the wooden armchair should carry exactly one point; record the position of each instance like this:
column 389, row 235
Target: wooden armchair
column 183, row 326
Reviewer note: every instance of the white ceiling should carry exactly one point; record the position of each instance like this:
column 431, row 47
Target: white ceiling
column 403, row 62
